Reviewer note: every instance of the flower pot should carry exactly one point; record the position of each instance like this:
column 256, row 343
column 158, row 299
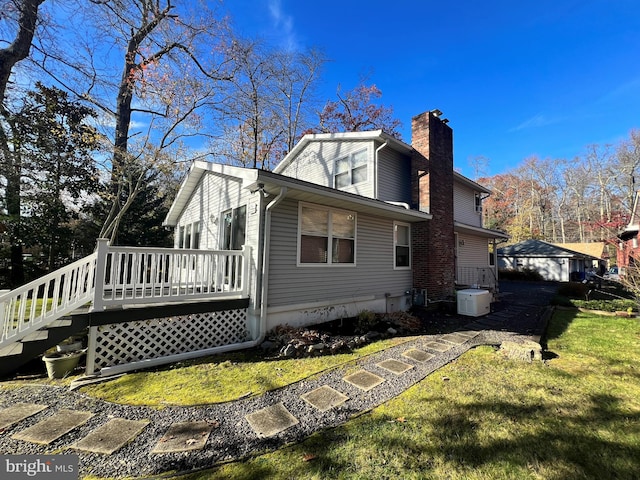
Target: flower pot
column 61, row 365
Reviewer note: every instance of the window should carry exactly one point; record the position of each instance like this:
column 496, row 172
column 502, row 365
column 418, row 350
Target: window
column 233, row 228
column 402, row 245
column 189, row 235
column 326, row 236
column 478, row 200
column 351, row 169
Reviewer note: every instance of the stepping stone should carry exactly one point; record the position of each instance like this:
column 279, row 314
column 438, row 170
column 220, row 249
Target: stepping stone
column 364, row 380
column 184, row 436
column 324, row 398
column 271, row 420
column 111, row 436
column 18, row 412
column 468, row 333
column 455, row 338
column 418, row 355
column 54, row 427
column 395, row 366
column 438, row 346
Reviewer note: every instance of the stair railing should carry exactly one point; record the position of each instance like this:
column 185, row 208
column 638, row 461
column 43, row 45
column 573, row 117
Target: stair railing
column 44, row 300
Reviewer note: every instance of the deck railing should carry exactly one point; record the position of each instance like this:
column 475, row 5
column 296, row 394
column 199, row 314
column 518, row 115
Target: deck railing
column 476, row 276
column 123, row 276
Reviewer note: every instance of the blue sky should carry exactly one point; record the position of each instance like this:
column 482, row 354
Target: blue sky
column 515, row 78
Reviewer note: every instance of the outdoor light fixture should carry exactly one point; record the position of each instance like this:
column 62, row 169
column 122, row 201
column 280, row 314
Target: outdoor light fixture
column 436, row 112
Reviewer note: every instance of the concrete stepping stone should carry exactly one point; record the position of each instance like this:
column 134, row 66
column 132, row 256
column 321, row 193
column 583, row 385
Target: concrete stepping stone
column 184, row 436
column 324, row 398
column 272, row 420
column 364, row 380
column 54, row 427
column 111, row 436
column 18, row 412
column 394, row 366
column 455, row 338
column 468, row 333
column 438, row 346
column 418, row 355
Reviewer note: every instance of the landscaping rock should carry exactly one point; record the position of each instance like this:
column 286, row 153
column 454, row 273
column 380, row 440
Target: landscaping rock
column 527, row 350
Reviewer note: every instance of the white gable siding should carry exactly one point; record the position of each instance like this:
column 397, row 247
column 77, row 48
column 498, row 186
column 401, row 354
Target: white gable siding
column 373, row 273
column 394, row 176
column 464, row 207
column 214, row 195
column 316, row 164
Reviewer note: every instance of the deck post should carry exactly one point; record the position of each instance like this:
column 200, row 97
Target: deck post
column 102, row 250
column 246, row 259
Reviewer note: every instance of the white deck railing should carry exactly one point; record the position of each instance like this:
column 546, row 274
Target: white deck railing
column 121, row 276
column 479, row 276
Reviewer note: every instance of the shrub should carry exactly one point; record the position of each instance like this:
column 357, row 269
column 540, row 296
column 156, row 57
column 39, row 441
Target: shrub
column 574, row 290
column 528, row 274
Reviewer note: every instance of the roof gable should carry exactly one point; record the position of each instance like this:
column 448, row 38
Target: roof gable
column 539, row 248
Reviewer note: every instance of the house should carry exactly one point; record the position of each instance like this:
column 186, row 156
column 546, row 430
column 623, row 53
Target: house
column 346, row 222
column 628, row 249
column 555, row 262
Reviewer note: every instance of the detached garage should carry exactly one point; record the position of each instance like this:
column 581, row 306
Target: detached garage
column 554, row 262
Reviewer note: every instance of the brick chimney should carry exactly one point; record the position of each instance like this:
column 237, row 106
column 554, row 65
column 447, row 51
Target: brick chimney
column 433, row 257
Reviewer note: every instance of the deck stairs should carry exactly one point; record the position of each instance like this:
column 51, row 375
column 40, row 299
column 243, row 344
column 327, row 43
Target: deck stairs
column 15, row 355
column 39, row 315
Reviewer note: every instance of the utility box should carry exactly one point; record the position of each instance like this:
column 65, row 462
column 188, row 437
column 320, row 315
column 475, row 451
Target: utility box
column 474, row 302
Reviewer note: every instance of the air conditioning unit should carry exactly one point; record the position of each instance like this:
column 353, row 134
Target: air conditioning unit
column 474, row 302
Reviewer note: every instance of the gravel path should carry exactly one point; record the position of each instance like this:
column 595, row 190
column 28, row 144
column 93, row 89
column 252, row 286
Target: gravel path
column 517, row 316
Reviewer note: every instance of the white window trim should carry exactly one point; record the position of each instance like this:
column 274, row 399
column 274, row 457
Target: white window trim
column 350, row 156
column 395, row 266
column 477, row 200
column 188, row 231
column 330, row 236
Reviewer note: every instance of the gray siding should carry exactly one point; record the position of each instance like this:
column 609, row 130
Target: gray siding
column 394, row 176
column 316, row 164
column 472, row 251
column 464, row 207
column 372, row 275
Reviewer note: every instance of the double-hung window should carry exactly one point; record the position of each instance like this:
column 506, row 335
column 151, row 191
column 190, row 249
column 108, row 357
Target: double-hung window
column 351, row 169
column 326, row 236
column 401, row 245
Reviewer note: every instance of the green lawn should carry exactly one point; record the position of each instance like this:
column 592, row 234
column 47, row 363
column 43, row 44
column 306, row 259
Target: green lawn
column 485, row 417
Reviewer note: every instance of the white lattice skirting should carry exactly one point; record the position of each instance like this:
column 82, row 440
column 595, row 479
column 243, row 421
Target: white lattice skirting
column 128, row 342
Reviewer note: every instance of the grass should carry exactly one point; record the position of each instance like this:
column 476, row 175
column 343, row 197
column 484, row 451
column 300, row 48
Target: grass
column 221, row 378
column 575, row 416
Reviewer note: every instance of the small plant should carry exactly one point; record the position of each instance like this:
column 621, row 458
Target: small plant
column 365, row 320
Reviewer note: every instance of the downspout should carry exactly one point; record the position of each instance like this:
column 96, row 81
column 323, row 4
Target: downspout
column 265, row 264
column 375, row 170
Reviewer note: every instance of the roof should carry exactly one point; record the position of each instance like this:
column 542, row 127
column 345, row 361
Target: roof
column 540, row 248
column 478, row 231
column 593, row 249
column 371, row 135
column 272, row 184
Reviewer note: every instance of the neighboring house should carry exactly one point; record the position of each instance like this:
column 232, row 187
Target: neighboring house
column 556, row 262
column 346, row 222
column 628, row 250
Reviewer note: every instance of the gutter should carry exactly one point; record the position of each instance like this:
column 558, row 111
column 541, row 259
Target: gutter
column 375, row 169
